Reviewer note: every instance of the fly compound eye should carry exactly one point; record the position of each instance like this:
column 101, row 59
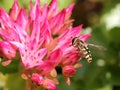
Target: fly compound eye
column 74, row 40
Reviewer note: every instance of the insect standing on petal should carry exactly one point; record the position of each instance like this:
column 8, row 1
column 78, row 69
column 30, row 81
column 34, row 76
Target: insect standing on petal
column 82, row 46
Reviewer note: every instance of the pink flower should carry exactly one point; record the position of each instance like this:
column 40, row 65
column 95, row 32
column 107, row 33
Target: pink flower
column 43, row 40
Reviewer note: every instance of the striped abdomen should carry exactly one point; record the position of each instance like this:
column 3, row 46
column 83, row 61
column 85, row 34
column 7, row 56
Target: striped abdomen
column 86, row 53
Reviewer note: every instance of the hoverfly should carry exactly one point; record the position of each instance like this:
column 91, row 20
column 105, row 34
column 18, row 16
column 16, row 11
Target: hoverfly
column 83, row 47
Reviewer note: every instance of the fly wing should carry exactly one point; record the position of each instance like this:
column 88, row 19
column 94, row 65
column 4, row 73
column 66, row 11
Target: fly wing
column 99, row 47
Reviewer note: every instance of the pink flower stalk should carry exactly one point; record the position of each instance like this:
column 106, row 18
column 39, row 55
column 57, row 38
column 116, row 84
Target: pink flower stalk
column 43, row 40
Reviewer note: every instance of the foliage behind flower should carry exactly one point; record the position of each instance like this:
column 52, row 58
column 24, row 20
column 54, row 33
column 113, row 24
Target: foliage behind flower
column 42, row 38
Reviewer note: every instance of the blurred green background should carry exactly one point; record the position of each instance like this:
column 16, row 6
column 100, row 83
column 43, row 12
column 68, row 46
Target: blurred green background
column 102, row 19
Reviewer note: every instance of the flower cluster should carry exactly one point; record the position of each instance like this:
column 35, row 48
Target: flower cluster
column 42, row 38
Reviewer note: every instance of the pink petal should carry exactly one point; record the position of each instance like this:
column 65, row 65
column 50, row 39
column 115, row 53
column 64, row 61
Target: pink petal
column 35, row 33
column 67, row 79
column 34, row 10
column 53, row 9
column 69, row 70
column 7, row 50
column 36, row 78
column 46, row 33
column 9, row 34
column 5, row 17
column 23, row 35
column 14, row 11
column 44, row 14
column 54, row 25
column 55, row 56
column 73, row 32
column 34, row 45
column 53, row 59
column 31, row 59
column 69, row 11
column 6, row 62
column 49, row 84
column 22, row 19
column 41, row 53
column 45, row 67
column 85, row 37
column 66, row 26
column 63, row 44
column 71, row 58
